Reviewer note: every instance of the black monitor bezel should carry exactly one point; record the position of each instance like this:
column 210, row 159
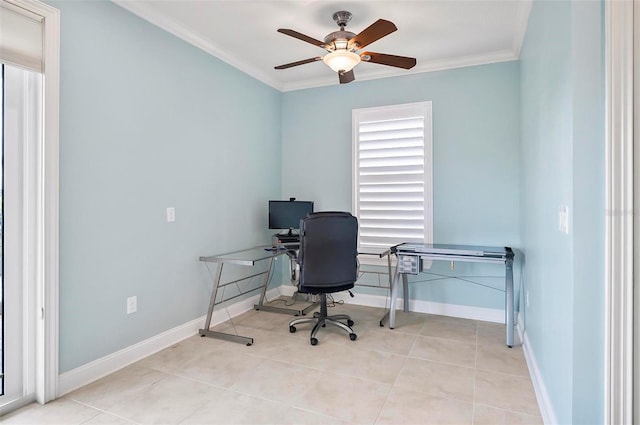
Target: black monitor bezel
column 271, row 220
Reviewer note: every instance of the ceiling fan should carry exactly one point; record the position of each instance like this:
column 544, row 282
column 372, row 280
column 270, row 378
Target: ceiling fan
column 342, row 47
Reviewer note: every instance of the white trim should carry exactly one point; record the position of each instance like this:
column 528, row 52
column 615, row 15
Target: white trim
column 90, row 372
column 542, row 395
column 46, row 198
column 417, row 306
column 521, row 27
column 422, row 67
column 636, row 201
column 106, row 365
column 147, row 13
column 619, row 214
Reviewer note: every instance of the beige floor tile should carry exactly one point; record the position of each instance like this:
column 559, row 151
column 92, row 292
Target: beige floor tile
column 495, row 333
column 231, row 408
column 351, row 360
column 445, row 351
column 485, row 415
column 354, row 400
column 264, row 320
column 276, row 380
column 500, row 358
column 168, row 401
column 107, row 419
column 408, row 322
column 427, row 370
column 459, row 321
column 507, row 392
column 408, row 407
column 450, row 330
column 59, row 412
column 119, row 386
column 385, row 339
column 364, row 317
column 437, row 379
column 515, row 418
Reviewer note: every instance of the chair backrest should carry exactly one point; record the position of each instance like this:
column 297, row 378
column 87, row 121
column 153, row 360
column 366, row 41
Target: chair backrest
column 328, row 252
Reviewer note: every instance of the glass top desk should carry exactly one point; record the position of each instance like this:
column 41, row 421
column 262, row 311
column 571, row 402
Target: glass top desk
column 250, row 257
column 409, row 256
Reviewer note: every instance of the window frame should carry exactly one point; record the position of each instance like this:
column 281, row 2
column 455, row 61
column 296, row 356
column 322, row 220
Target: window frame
column 391, row 112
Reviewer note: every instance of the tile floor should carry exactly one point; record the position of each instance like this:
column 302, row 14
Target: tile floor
column 429, row 370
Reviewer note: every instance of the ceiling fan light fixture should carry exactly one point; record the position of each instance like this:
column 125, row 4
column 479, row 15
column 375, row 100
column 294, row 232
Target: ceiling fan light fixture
column 341, row 60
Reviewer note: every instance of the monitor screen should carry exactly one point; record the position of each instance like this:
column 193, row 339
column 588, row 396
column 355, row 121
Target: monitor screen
column 287, row 214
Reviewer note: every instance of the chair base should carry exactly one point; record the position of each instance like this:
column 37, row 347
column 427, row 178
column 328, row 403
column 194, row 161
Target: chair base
column 321, row 319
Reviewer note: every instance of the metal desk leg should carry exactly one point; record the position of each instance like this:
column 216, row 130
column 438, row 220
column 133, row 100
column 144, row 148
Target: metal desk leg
column 394, row 299
column 405, row 292
column 214, row 334
column 272, row 309
column 390, row 276
column 510, row 322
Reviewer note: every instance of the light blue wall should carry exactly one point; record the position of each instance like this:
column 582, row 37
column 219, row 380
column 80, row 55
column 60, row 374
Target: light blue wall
column 562, row 164
column 147, row 122
column 475, row 159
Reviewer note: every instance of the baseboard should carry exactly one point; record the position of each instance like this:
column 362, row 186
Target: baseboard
column 542, row 395
column 85, row 374
column 452, row 310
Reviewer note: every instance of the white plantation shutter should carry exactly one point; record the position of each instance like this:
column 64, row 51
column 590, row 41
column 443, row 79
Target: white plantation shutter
column 392, row 174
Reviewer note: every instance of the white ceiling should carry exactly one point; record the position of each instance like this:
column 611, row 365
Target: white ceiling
column 440, row 34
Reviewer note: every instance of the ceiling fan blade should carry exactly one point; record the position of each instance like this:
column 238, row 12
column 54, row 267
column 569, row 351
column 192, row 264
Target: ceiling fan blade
column 346, row 77
column 302, row 62
column 300, row 36
column 373, row 32
column 390, row 60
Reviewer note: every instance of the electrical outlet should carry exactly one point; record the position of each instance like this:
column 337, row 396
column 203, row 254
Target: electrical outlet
column 132, row 304
column 171, row 214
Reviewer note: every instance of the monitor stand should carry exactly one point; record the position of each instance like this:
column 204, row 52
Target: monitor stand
column 287, row 235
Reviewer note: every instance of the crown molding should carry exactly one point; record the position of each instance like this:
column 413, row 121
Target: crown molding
column 521, row 27
column 141, row 10
column 422, row 67
column 148, row 14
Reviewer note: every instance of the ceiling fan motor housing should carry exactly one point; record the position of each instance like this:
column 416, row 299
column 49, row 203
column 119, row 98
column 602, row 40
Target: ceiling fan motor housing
column 338, row 39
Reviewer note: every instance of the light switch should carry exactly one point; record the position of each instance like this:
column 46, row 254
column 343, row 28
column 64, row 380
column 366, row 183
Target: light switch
column 171, row 215
column 563, row 220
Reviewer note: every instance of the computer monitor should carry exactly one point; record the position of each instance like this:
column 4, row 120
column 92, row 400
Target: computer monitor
column 287, row 214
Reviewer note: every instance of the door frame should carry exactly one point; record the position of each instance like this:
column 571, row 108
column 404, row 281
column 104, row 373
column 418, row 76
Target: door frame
column 45, row 223
column 619, row 188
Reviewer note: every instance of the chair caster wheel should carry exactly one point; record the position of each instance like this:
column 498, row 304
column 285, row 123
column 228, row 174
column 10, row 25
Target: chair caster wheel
column 292, row 329
column 314, row 341
column 350, row 322
column 353, row 337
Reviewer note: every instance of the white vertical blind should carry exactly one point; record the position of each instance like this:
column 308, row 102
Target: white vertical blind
column 21, row 42
column 392, row 174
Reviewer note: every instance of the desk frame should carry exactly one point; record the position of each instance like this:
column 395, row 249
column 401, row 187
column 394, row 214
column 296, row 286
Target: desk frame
column 455, row 253
column 248, row 258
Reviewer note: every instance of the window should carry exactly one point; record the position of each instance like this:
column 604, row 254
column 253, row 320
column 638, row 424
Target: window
column 392, row 177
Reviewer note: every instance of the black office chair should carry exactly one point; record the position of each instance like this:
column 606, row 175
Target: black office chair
column 328, row 260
